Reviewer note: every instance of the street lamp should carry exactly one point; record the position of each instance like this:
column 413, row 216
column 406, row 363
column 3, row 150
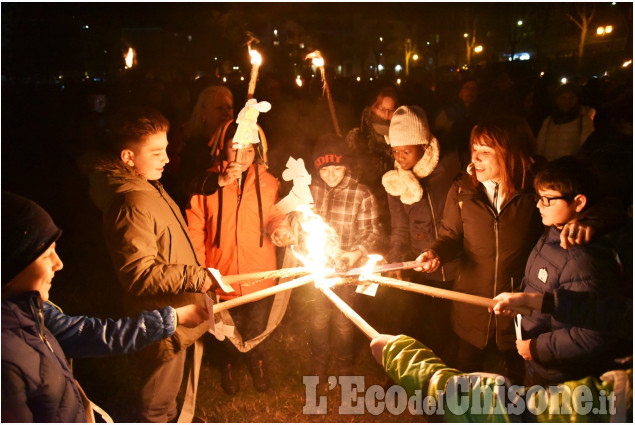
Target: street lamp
column 478, row 49
column 604, row 30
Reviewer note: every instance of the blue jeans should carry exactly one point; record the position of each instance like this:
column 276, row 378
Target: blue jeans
column 331, row 330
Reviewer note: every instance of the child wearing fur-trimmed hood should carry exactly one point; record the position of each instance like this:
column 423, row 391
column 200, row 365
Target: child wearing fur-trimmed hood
column 417, row 190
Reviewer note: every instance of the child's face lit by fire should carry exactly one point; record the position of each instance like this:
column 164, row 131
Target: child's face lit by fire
column 332, row 174
column 247, row 156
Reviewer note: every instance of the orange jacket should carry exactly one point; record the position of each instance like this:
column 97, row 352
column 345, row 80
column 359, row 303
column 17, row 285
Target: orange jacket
column 239, row 250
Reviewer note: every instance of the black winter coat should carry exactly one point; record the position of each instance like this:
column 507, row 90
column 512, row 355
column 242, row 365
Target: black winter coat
column 493, row 249
column 415, row 228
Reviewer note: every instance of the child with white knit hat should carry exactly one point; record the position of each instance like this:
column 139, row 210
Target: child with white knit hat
column 417, row 189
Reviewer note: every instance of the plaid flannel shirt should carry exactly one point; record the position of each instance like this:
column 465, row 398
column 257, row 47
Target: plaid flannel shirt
column 351, row 210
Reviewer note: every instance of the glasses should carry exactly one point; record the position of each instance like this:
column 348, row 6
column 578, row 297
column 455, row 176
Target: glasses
column 546, row 200
column 385, row 110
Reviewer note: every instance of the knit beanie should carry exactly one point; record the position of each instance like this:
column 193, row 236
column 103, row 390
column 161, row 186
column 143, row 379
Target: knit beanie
column 409, row 126
column 330, row 149
column 27, row 231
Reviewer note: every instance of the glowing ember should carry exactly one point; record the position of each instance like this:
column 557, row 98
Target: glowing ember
column 318, row 62
column 318, row 246
column 129, row 57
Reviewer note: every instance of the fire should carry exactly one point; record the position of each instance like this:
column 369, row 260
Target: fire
column 256, row 59
column 367, row 270
column 318, row 243
column 130, row 58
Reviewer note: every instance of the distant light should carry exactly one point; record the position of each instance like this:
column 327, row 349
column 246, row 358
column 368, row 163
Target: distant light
column 381, row 39
column 427, row 43
column 542, row 74
column 197, row 77
column 600, row 31
column 398, row 81
column 381, row 54
column 398, row 68
column 465, row 35
column 371, row 78
column 301, row 45
column 608, row 29
column 464, row 67
column 189, row 38
column 242, row 78
column 606, row 74
column 236, row 68
column 276, row 42
column 275, row 32
column 478, row 49
column 105, row 51
column 451, row 69
column 520, row 23
column 298, row 81
column 60, row 76
column 371, row 67
column 380, row 67
column 563, row 80
column 627, row 63
column 85, row 27
column 215, row 58
column 359, row 78
column 415, row 56
column 224, row 79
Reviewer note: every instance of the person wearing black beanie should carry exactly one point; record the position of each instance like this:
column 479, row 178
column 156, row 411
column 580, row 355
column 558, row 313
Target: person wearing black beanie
column 350, row 209
column 37, row 382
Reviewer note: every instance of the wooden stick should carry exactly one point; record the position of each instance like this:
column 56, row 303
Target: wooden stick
column 440, row 293
column 330, row 102
column 363, row 326
column 258, row 295
column 245, row 278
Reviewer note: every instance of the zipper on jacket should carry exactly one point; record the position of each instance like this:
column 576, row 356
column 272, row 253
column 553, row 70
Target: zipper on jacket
column 489, row 323
column 38, row 317
column 436, row 231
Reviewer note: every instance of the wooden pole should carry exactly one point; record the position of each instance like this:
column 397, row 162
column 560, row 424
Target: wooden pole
column 363, row 326
column 247, row 278
column 440, row 293
column 258, row 295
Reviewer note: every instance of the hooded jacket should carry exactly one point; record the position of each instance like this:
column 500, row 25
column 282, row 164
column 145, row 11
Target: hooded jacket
column 37, row 383
column 415, row 227
column 237, row 249
column 562, row 351
column 150, row 247
column 493, row 248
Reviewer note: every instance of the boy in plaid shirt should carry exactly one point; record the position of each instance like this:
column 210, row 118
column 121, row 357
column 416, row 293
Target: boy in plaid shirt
column 351, row 210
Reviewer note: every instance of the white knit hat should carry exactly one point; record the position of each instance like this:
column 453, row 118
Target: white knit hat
column 409, row 126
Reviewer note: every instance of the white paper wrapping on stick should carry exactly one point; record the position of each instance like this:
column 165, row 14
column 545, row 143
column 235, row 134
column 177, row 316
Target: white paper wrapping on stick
column 217, row 328
column 369, row 289
column 219, row 279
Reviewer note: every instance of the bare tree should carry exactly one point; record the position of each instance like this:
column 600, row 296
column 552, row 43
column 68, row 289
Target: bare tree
column 585, row 16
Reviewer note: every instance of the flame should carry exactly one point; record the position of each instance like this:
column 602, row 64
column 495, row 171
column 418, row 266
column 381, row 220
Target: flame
column 317, row 59
column 129, row 57
column 367, row 270
column 319, row 243
column 256, row 59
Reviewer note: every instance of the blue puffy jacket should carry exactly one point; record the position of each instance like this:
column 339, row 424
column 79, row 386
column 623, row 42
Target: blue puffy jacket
column 561, row 351
column 37, row 383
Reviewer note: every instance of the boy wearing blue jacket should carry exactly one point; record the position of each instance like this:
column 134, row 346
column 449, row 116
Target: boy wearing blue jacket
column 556, row 351
column 37, row 338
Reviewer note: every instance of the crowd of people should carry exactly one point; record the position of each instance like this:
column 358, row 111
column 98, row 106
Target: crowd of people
column 491, row 192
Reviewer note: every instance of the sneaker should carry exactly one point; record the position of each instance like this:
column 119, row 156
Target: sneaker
column 227, row 380
column 259, row 375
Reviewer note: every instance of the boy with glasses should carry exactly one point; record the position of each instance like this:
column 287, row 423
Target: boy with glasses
column 555, row 351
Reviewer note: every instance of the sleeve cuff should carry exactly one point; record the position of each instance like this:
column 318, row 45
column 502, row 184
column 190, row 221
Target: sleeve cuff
column 548, row 303
column 533, row 349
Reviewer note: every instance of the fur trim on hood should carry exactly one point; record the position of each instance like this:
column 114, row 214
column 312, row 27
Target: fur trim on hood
column 405, row 183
